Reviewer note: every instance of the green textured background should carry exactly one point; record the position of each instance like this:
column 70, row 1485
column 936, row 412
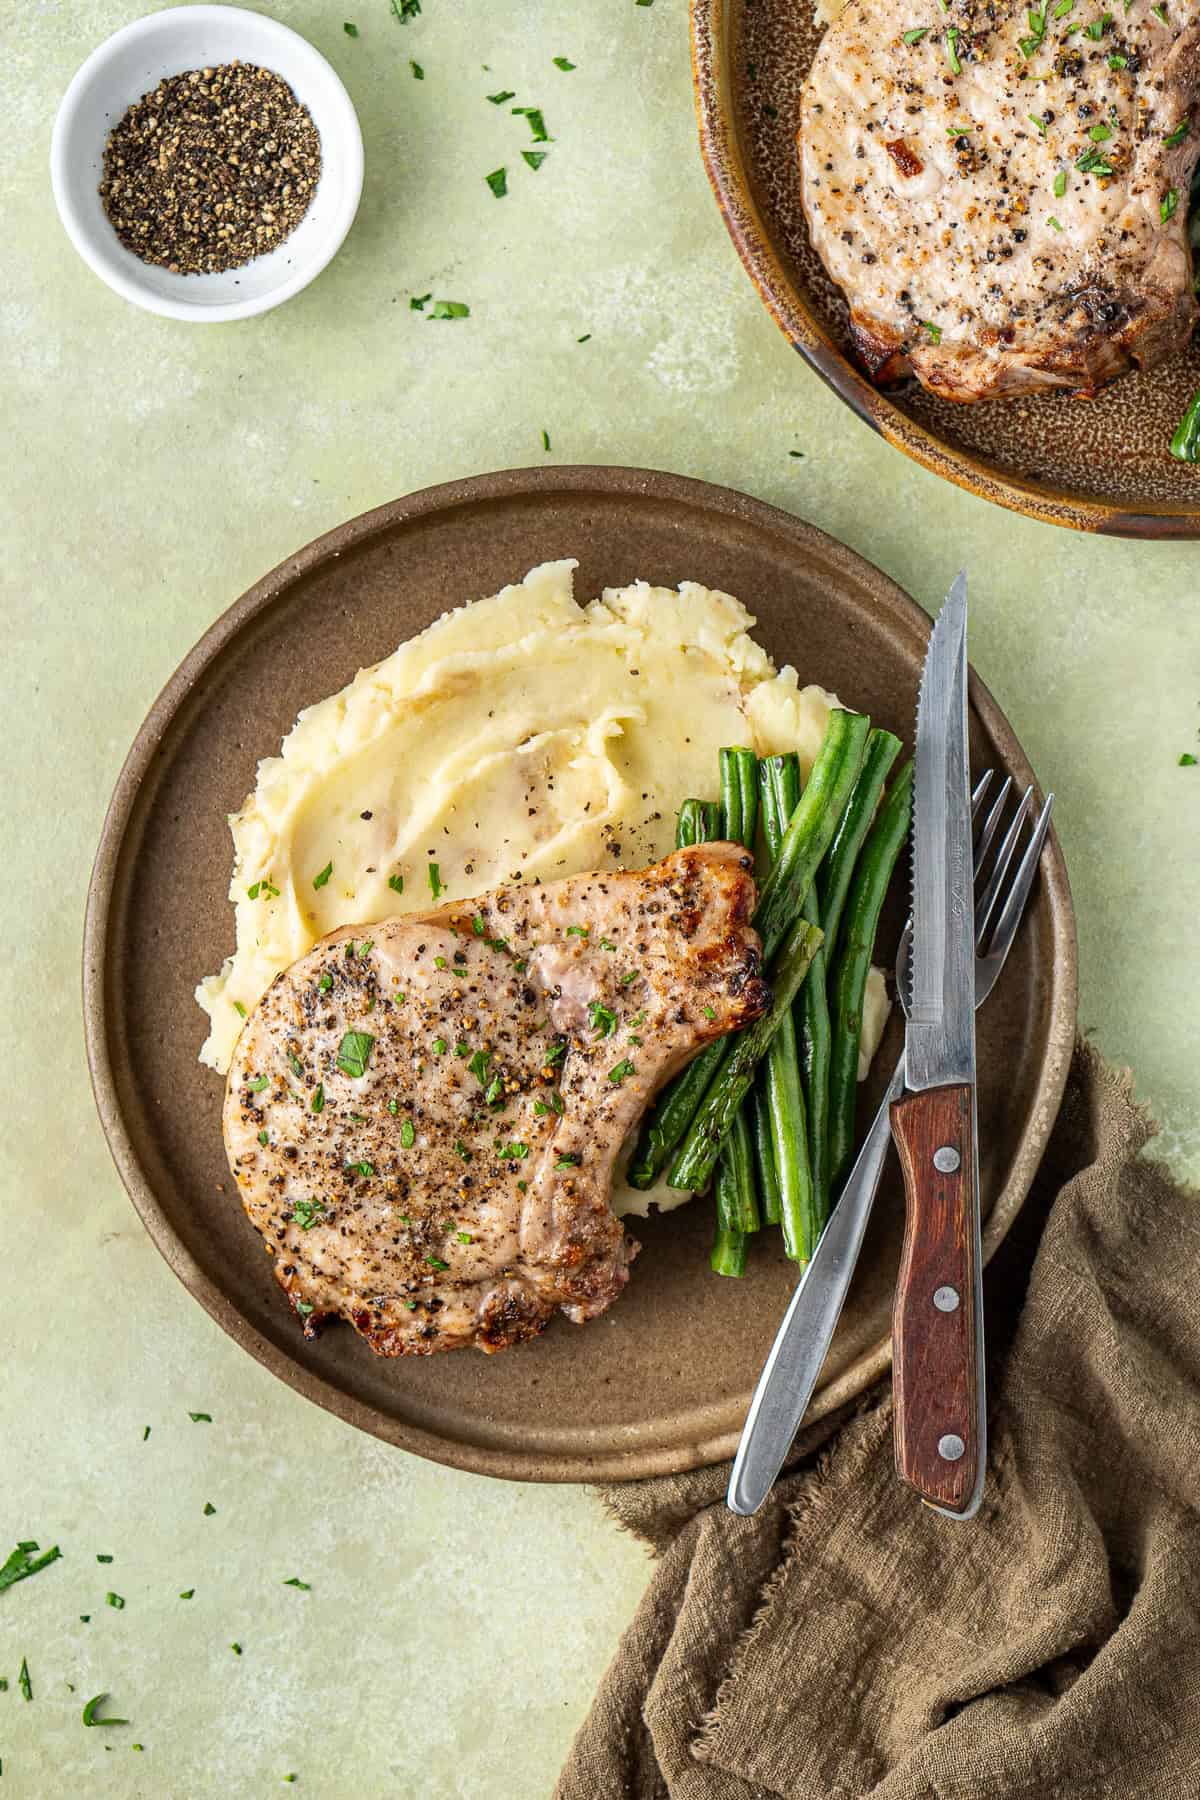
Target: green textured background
column 455, row 1627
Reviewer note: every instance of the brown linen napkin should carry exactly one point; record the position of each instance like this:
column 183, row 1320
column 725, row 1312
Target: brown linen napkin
column 848, row 1642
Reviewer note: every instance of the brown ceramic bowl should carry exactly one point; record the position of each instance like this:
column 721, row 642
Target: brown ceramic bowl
column 663, row 1380
column 1097, row 465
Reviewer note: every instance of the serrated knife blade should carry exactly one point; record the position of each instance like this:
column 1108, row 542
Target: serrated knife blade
column 937, row 1327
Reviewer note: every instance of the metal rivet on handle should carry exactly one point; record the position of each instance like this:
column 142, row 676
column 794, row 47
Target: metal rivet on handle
column 950, row 1447
column 946, row 1160
column 946, row 1299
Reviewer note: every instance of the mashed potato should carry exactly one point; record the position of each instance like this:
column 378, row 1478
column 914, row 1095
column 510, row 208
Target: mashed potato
column 520, row 738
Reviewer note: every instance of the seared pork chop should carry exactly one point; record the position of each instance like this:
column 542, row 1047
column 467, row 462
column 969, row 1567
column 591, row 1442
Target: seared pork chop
column 423, row 1118
column 1002, row 193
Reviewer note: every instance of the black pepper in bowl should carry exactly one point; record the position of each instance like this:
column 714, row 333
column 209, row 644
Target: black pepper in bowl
column 213, row 168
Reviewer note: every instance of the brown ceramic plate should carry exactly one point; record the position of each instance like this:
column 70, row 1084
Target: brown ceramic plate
column 1098, row 465
column 662, row 1381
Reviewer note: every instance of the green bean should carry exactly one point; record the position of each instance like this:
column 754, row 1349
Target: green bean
column 811, row 827
column 728, row 1253
column 780, row 1075
column 771, row 1203
column 697, row 1154
column 863, row 903
column 737, row 1201
column 833, row 882
column 1185, row 445
column 699, row 822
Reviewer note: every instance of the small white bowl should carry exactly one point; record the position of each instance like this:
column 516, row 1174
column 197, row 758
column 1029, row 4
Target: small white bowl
column 133, row 61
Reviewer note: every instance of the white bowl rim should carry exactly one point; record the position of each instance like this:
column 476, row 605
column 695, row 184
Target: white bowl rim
column 196, row 312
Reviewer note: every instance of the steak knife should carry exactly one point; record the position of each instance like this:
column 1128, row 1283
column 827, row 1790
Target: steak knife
column 937, row 1325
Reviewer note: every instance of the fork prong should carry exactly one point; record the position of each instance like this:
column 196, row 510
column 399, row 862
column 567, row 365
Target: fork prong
column 991, row 825
column 1018, row 893
column 980, row 794
column 1004, row 855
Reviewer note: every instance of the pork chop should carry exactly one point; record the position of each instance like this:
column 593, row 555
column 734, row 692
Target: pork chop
column 423, row 1122
column 1002, row 193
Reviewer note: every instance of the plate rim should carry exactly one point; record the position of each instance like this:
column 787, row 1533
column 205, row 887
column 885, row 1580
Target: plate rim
column 724, row 163
column 443, row 497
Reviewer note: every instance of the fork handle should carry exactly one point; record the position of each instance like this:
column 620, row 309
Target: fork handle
column 936, row 1328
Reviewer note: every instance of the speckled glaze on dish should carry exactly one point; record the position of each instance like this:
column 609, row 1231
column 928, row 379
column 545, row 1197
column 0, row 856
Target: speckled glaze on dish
column 663, row 1380
column 1097, row 465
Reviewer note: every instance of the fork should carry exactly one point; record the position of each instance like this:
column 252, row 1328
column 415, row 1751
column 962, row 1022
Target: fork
column 796, row 1357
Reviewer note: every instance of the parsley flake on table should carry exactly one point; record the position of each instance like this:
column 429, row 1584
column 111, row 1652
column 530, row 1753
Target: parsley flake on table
column 101, row 1557
column 295, row 1581
column 116, row 1601
column 1186, row 760
column 23, row 1563
column 418, row 71
column 92, row 1708
column 545, row 440
column 498, row 182
column 349, row 29
column 200, row 1418
column 560, row 62
column 537, row 124
column 396, row 883
column 209, row 1509
column 417, row 301
column 24, row 1682
column 500, row 98
column 404, row 10
column 187, row 1594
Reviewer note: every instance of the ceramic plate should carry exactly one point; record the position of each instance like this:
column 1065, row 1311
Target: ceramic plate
column 662, row 1381
column 1098, row 465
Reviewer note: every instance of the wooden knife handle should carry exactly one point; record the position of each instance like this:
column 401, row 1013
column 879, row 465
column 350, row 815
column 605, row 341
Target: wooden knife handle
column 938, row 1431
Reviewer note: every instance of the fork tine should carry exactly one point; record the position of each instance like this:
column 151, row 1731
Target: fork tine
column 981, row 788
column 1018, row 893
column 1004, row 855
column 991, row 825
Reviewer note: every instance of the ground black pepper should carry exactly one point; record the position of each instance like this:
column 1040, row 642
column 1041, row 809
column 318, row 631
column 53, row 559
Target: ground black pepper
column 213, row 168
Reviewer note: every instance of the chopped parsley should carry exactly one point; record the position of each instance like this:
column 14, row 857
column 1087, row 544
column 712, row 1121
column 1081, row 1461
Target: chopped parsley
column 952, row 49
column 1100, row 133
column 237, row 1648
column 326, row 982
column 239, row 1009
column 304, row 1308
column 264, row 887
column 461, row 1048
column 709, row 1012
column 1117, row 61
column 295, row 1581
column 23, row 1681
column 393, row 1106
column 587, row 336
column 408, row 1135
column 555, row 1054
column 354, row 1053
column 350, row 30
column 188, row 1594
column 460, row 1149
column 1170, row 203
column 417, row 302
column 209, row 1509
column 404, row 10
column 264, row 1137
column 935, row 331
column 604, row 1021
column 197, row 1419
column 418, row 71
column 494, row 1092
column 627, row 979
column 1097, row 27
column 320, row 880
column 1186, row 760
column 1060, row 184
column 436, row 884
column 606, row 944
column 115, row 1601
column 449, row 309
column 1063, row 8
column 498, row 182
column 296, row 1066
column 578, row 931
column 440, row 1046
column 553, row 1105
column 567, row 1161
column 1092, row 163
column 545, row 440
column 514, row 1152
column 23, row 1563
column 317, row 1103
column 464, row 1237
column 259, row 1083
column 439, row 962
column 307, row 1212
column 93, row 1707
column 478, row 1066
column 914, row 37
column 500, row 98
column 1160, row 13
column 396, row 883
column 1037, row 32
column 1178, row 135
column 1054, row 222
column 435, row 1262
column 1043, row 125
column 537, row 124
column 145, row 1433
column 620, row 1070
column 560, row 62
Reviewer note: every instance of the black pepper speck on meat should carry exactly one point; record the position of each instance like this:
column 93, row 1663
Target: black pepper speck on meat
column 423, row 1121
column 1004, row 200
